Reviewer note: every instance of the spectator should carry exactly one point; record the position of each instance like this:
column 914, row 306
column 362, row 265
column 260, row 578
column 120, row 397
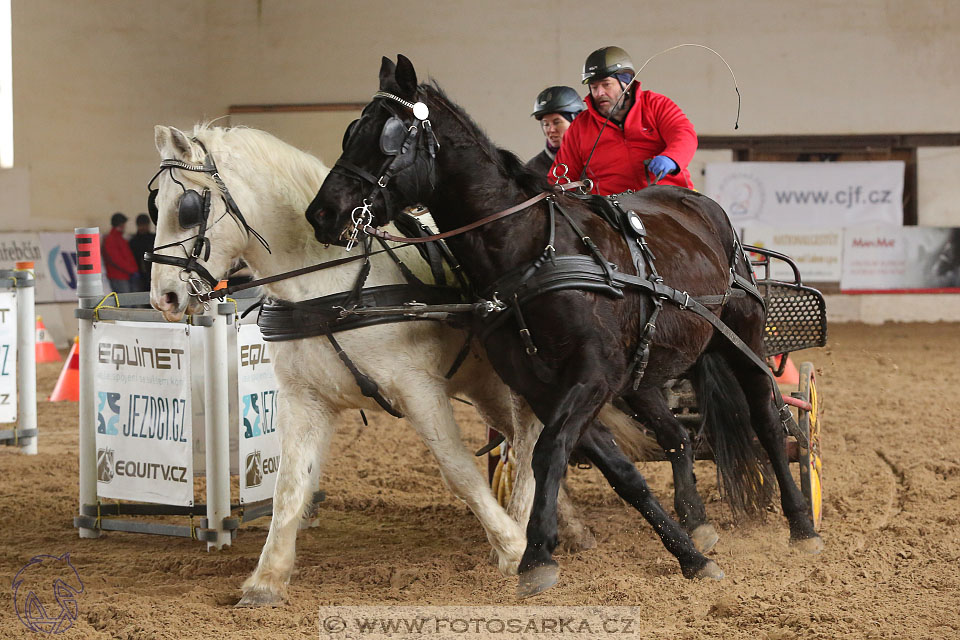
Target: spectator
column 119, row 260
column 140, row 243
column 555, row 108
column 628, row 137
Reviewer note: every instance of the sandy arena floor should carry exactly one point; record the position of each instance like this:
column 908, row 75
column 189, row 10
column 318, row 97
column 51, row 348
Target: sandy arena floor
column 391, row 534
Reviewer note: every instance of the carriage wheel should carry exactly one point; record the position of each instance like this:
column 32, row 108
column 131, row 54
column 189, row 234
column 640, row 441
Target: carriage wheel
column 811, row 465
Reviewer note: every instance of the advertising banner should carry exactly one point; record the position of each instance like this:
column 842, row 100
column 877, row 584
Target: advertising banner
column 817, row 252
column 259, row 447
column 144, row 431
column 808, row 195
column 904, row 259
column 8, row 356
column 54, row 256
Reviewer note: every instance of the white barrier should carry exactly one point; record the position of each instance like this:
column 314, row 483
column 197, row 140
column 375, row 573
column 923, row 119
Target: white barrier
column 18, row 391
column 119, row 382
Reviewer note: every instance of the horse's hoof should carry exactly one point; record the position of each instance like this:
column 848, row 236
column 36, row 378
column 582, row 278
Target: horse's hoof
column 811, row 546
column 710, row 571
column 537, row 580
column 704, row 537
column 260, row 597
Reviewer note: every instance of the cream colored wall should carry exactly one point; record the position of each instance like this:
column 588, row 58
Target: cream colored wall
column 93, row 77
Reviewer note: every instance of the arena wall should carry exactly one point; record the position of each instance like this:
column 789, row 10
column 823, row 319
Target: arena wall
column 92, row 78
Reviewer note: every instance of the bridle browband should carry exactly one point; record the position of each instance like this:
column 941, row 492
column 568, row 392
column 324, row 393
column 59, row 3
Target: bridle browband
column 402, row 152
column 201, row 246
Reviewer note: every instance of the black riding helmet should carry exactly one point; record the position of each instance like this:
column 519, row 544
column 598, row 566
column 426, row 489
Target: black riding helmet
column 604, row 62
column 557, row 100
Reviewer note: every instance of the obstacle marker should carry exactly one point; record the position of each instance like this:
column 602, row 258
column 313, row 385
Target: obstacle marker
column 46, row 349
column 68, row 384
column 18, row 372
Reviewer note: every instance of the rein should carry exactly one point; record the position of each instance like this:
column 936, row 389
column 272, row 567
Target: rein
column 379, row 233
column 220, row 294
column 383, row 235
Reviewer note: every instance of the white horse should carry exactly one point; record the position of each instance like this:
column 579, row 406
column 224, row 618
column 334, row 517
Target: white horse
column 272, row 183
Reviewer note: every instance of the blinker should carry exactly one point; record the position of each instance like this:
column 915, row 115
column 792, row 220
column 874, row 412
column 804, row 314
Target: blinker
column 392, row 137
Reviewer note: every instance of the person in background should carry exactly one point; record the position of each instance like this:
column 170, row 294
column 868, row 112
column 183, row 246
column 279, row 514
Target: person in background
column 119, row 260
column 628, row 138
column 555, row 108
column 140, row 243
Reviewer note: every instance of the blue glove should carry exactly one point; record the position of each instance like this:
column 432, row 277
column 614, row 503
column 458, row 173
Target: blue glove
column 662, row 165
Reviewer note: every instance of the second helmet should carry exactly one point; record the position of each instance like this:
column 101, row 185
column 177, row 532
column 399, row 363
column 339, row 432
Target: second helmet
column 557, row 100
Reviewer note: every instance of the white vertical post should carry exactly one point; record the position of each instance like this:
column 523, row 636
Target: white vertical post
column 89, row 289
column 26, row 356
column 216, row 388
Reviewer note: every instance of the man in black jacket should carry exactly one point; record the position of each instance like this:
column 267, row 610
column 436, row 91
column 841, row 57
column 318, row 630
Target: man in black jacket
column 555, row 108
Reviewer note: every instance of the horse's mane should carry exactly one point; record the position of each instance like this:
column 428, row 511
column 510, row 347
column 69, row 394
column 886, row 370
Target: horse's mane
column 291, row 165
column 505, row 161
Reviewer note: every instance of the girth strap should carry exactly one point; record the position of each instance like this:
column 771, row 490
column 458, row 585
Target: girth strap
column 368, row 387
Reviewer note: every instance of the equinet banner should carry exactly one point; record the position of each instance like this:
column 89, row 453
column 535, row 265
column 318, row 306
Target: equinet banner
column 143, row 413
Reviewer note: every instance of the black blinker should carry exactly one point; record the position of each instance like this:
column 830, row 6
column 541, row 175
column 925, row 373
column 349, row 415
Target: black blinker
column 152, row 206
column 392, row 137
column 193, row 208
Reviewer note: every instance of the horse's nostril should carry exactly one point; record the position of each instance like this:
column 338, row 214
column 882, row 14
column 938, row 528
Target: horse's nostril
column 171, row 299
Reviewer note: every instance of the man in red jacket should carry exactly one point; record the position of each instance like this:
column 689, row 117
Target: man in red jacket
column 643, row 136
column 119, row 260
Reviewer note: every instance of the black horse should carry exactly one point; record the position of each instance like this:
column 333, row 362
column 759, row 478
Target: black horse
column 566, row 350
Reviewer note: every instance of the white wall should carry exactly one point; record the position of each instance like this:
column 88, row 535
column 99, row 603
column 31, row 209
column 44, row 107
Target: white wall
column 93, row 77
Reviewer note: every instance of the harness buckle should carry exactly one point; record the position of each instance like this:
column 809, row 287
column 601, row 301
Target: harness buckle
column 530, row 348
column 686, row 300
column 361, row 217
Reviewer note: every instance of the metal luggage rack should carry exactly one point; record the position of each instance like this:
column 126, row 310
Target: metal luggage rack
column 796, row 314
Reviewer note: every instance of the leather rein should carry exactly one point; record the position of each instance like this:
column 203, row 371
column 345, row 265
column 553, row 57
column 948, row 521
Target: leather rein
column 220, row 294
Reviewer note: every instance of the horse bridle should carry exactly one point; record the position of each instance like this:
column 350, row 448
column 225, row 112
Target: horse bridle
column 194, row 211
column 401, row 143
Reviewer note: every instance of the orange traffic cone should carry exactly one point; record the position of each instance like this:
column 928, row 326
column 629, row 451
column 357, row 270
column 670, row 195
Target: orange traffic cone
column 790, row 375
column 46, row 350
column 68, row 385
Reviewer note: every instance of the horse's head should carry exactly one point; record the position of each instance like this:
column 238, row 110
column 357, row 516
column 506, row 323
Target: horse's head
column 200, row 230
column 388, row 160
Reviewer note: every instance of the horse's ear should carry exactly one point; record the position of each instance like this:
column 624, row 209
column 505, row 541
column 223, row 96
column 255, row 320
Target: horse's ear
column 161, row 137
column 181, row 144
column 406, row 76
column 387, row 70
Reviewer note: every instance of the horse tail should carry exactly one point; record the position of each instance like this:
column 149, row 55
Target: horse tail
column 744, row 477
column 633, row 442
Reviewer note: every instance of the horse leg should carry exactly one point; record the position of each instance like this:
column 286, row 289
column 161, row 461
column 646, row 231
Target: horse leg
column 432, row 417
column 758, row 388
column 651, row 409
column 512, row 417
column 304, row 439
column 565, row 414
column 573, row 534
column 630, row 485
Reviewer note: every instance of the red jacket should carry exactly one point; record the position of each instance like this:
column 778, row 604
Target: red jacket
column 655, row 126
column 118, row 257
